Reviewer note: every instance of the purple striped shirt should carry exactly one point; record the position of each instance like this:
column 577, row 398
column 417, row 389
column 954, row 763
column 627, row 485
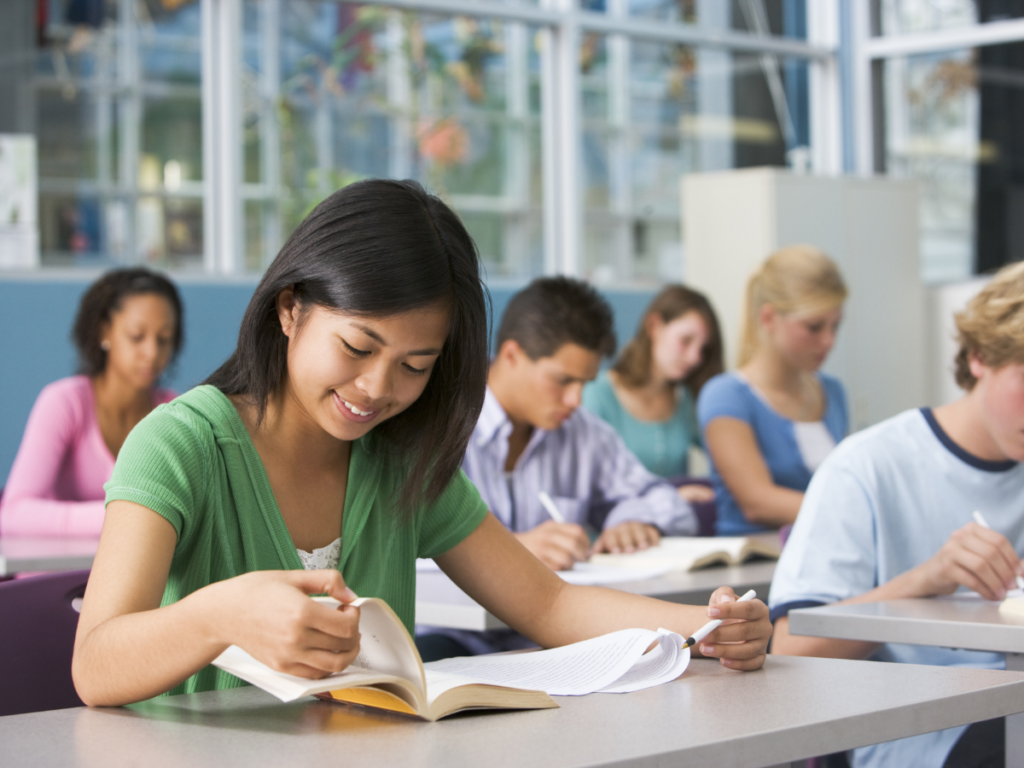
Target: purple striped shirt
column 593, row 478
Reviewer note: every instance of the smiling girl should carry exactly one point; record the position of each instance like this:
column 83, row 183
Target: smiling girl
column 127, row 331
column 344, row 412
column 768, row 425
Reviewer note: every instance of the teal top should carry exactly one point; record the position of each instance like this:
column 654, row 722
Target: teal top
column 662, row 446
column 192, row 462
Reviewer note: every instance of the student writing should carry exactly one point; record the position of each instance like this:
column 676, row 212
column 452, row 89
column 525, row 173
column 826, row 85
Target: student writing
column 768, row 425
column 533, row 437
column 127, row 331
column 344, row 411
column 649, row 395
column 888, row 515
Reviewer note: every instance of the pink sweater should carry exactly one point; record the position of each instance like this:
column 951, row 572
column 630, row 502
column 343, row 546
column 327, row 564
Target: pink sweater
column 56, row 483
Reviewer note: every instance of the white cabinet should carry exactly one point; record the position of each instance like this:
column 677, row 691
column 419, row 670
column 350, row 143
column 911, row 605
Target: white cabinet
column 734, row 219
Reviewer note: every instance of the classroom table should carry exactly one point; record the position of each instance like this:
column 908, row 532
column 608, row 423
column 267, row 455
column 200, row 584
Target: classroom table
column 440, row 603
column 956, row 621
column 18, row 555
column 792, row 709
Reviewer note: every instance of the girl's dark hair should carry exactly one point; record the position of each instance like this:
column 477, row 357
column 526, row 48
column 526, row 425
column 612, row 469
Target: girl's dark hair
column 634, row 364
column 379, row 248
column 105, row 298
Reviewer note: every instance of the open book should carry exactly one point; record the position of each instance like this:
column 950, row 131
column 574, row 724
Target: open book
column 685, row 553
column 389, row 674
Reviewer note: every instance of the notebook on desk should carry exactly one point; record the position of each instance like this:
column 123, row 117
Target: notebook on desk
column 684, row 553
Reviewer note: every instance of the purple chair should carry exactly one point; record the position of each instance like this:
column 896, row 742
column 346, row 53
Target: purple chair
column 706, row 511
column 37, row 637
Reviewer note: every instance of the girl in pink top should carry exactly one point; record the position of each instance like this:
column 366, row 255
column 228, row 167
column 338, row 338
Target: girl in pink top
column 128, row 330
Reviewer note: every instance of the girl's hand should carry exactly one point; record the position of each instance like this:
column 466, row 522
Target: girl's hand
column 627, row 537
column 695, row 493
column 276, row 621
column 742, row 640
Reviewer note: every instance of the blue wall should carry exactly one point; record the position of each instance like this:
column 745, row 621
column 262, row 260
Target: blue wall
column 35, row 322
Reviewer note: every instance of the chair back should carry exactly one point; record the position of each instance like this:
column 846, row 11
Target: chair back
column 37, row 637
column 706, row 511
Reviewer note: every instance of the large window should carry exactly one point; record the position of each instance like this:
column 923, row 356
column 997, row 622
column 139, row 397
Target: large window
column 196, row 134
column 112, row 92
column 943, row 95
column 338, row 92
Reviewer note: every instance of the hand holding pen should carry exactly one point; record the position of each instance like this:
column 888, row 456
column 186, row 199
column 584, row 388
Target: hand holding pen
column 736, row 644
column 556, row 543
column 980, row 520
column 974, row 556
column 711, row 626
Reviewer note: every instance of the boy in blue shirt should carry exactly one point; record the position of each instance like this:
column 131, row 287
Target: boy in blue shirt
column 888, row 516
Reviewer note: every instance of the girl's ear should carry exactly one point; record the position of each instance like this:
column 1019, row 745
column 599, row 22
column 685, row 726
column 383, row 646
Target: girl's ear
column 287, row 311
column 653, row 324
column 766, row 316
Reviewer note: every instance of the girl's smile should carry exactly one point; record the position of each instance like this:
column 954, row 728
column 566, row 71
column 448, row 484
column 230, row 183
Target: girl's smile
column 348, row 373
column 354, row 412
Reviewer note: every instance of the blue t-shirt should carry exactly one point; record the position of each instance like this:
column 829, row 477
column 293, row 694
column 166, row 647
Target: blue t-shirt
column 882, row 503
column 663, row 447
column 729, row 395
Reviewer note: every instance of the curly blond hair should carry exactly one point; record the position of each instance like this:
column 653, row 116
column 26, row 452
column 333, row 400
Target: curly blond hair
column 991, row 328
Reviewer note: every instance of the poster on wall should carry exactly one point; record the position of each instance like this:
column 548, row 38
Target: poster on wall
column 19, row 226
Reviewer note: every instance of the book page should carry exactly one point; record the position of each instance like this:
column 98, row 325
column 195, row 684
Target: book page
column 288, row 687
column 439, row 683
column 675, row 552
column 384, row 644
column 386, row 652
column 592, row 574
column 664, row 664
column 572, row 670
column 584, row 574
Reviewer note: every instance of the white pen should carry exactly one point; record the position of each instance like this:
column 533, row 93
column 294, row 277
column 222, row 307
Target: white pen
column 549, row 505
column 714, row 624
column 980, row 520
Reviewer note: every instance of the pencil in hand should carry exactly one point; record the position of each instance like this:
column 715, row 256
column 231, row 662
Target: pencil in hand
column 714, row 624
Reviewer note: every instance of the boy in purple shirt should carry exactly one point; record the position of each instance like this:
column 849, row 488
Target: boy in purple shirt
column 533, row 437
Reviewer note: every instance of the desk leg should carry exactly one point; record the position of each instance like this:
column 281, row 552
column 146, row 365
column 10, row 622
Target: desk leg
column 1015, row 723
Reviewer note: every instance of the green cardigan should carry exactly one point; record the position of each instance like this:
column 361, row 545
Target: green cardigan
column 192, row 462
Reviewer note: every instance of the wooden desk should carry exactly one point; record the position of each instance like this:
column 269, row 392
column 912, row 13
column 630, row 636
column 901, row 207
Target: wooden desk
column 948, row 622
column 788, row 711
column 440, row 603
column 18, row 555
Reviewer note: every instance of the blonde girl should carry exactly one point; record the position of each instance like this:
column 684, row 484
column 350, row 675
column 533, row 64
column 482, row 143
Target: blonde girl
column 769, row 424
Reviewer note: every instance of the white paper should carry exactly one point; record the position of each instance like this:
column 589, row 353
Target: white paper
column 285, row 687
column 572, row 670
column 590, row 575
column 584, row 574
column 383, row 650
column 19, row 228
column 664, row 664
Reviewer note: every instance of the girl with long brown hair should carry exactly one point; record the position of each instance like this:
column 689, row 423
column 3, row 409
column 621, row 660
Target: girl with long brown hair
column 649, row 394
